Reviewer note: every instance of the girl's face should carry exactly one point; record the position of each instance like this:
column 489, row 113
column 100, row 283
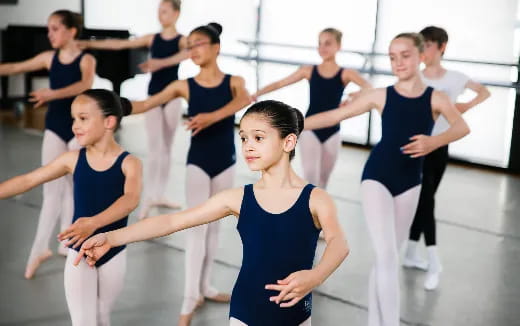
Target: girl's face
column 432, row 52
column 262, row 146
column 201, row 49
column 328, row 46
column 404, row 58
column 89, row 125
column 166, row 14
column 59, row 34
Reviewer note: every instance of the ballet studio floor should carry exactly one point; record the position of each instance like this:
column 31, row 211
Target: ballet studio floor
column 478, row 235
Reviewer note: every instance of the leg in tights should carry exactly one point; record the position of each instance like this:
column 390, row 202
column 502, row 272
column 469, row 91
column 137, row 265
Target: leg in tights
column 53, row 201
column 171, row 117
column 81, row 291
column 111, row 277
column 329, row 155
column 201, row 241
column 388, row 221
column 154, row 135
column 67, row 209
column 310, row 147
column 91, row 292
column 219, row 183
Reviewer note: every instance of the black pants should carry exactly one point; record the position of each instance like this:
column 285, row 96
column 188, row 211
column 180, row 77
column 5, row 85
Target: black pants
column 424, row 221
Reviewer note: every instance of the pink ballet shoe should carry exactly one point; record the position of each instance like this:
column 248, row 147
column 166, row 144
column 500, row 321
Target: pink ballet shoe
column 33, row 265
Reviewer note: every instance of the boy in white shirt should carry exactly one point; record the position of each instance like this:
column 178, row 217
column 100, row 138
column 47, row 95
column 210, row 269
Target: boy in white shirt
column 452, row 83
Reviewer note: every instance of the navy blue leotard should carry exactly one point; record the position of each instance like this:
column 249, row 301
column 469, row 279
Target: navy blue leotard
column 162, row 48
column 274, row 246
column 212, row 149
column 58, row 118
column 325, row 94
column 95, row 191
column 402, row 118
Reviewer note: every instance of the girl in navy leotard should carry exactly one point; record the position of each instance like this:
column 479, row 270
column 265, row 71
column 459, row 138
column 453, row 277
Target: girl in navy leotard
column 107, row 186
column 279, row 218
column 213, row 98
column 167, row 51
column 70, row 73
column 391, row 180
column 326, row 84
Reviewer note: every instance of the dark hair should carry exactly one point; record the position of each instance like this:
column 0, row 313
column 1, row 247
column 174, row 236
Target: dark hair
column 286, row 119
column 70, row 20
column 211, row 30
column 334, row 32
column 110, row 103
column 176, row 4
column 416, row 38
column 435, row 34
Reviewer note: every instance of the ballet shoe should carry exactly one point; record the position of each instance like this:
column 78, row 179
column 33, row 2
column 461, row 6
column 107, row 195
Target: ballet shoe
column 185, row 320
column 33, row 265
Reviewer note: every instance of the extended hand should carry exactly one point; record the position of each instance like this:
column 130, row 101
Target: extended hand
column 421, row 145
column 93, row 249
column 200, row 122
column 293, row 288
column 78, row 232
column 41, row 96
column 151, row 65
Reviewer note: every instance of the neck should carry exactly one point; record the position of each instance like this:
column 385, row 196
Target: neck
column 434, row 70
column 210, row 71
column 329, row 61
column 170, row 29
column 106, row 145
column 70, row 47
column 280, row 175
column 411, row 84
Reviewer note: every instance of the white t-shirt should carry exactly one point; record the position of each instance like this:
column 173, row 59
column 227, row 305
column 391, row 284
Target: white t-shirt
column 452, row 83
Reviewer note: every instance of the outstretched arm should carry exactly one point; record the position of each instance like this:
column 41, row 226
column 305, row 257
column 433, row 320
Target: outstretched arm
column 222, row 204
column 40, row 61
column 298, row 284
column 240, row 100
column 124, row 205
column 115, row 44
column 371, row 98
column 55, row 169
column 302, row 73
column 175, row 89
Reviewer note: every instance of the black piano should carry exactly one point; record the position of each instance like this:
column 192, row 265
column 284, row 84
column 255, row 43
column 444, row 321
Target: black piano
column 23, row 42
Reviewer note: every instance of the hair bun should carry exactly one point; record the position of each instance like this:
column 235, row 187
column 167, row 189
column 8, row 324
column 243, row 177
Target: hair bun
column 216, row 26
column 126, row 106
column 299, row 119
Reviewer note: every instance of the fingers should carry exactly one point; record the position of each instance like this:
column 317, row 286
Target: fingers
column 285, row 291
column 80, row 255
column 79, row 242
column 72, row 241
column 275, row 287
column 290, row 303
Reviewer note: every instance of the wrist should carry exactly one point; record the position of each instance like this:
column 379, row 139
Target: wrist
column 317, row 276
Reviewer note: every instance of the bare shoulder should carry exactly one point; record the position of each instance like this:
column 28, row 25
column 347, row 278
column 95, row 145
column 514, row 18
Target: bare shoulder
column 237, row 81
column 319, row 197
column 131, row 164
column 232, row 198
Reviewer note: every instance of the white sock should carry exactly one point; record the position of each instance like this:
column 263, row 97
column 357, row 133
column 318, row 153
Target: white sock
column 434, row 265
column 411, row 249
